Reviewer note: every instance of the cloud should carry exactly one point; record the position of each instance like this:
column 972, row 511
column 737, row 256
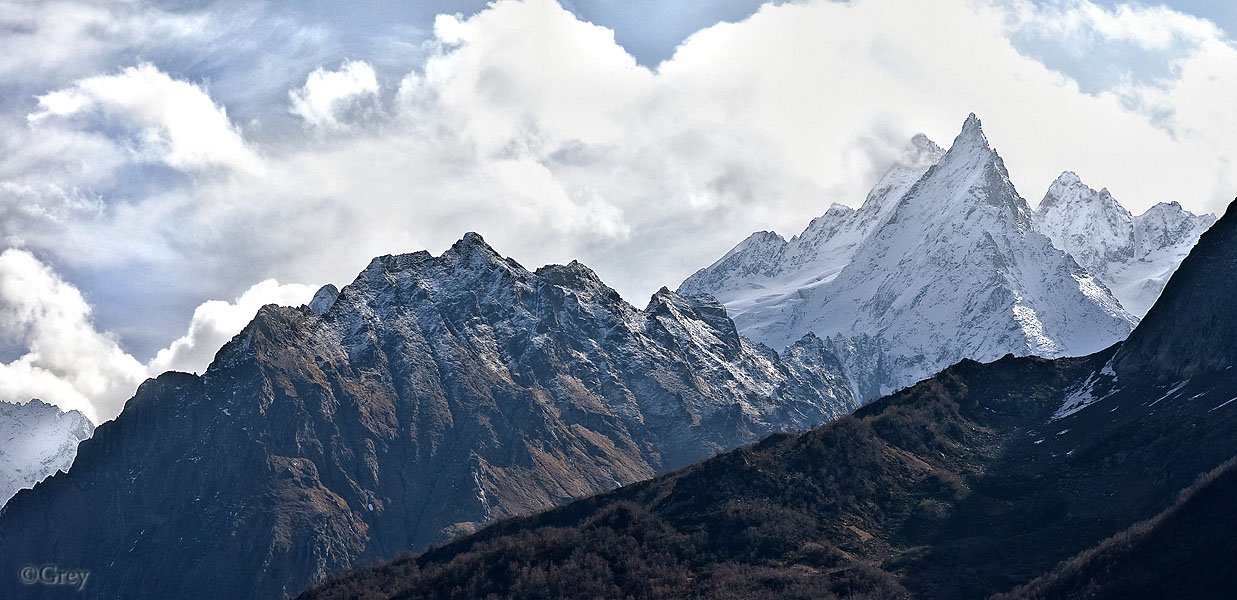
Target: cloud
column 557, row 144
column 1108, row 48
column 217, row 321
column 328, row 96
column 1083, row 22
column 171, row 121
column 63, row 358
column 59, row 38
column 66, row 361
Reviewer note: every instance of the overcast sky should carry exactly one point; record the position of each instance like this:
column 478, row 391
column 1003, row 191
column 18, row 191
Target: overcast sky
column 166, row 168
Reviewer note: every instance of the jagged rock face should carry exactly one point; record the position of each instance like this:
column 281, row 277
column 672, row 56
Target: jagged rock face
column 948, row 265
column 1190, row 332
column 36, row 440
column 1133, row 256
column 429, row 396
column 1091, row 226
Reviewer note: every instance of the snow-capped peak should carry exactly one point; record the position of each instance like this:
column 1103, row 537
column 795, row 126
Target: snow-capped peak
column 939, row 264
column 922, row 152
column 765, row 266
column 1133, row 256
column 473, row 249
column 36, row 440
column 1069, row 190
column 972, row 133
column 1066, row 179
column 970, row 172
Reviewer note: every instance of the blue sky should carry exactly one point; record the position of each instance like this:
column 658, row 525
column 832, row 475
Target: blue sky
column 167, row 167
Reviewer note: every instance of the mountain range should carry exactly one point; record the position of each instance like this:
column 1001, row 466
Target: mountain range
column 428, row 397
column 945, row 260
column 435, row 395
column 1105, row 476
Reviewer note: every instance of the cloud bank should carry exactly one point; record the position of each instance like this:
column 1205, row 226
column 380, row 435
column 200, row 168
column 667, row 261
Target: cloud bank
column 168, row 120
column 65, row 360
column 538, row 130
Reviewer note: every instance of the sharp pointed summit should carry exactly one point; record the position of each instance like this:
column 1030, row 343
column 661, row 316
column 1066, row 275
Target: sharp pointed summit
column 972, row 132
column 947, row 265
column 473, row 244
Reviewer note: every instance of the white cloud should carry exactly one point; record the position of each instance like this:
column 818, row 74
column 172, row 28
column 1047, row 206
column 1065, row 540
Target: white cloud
column 1078, row 21
column 1119, row 49
column 217, row 321
column 540, row 132
column 172, row 121
column 57, row 38
column 328, row 96
column 66, row 361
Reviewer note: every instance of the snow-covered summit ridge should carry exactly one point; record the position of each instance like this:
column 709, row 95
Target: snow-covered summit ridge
column 1132, row 255
column 37, row 440
column 943, row 261
column 765, row 267
column 972, row 171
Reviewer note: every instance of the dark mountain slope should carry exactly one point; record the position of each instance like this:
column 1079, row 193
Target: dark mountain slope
column 965, row 485
column 1192, row 329
column 794, row 516
column 1184, row 552
column 431, row 395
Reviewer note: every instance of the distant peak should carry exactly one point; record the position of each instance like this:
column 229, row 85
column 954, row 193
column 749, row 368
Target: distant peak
column 972, row 132
column 1189, row 331
column 758, row 240
column 1067, row 185
column 473, row 246
column 922, row 142
column 922, row 152
column 1174, row 212
column 837, row 208
column 35, row 405
column 472, row 239
column 765, row 235
column 1172, row 207
column 1067, row 178
column 1069, row 191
